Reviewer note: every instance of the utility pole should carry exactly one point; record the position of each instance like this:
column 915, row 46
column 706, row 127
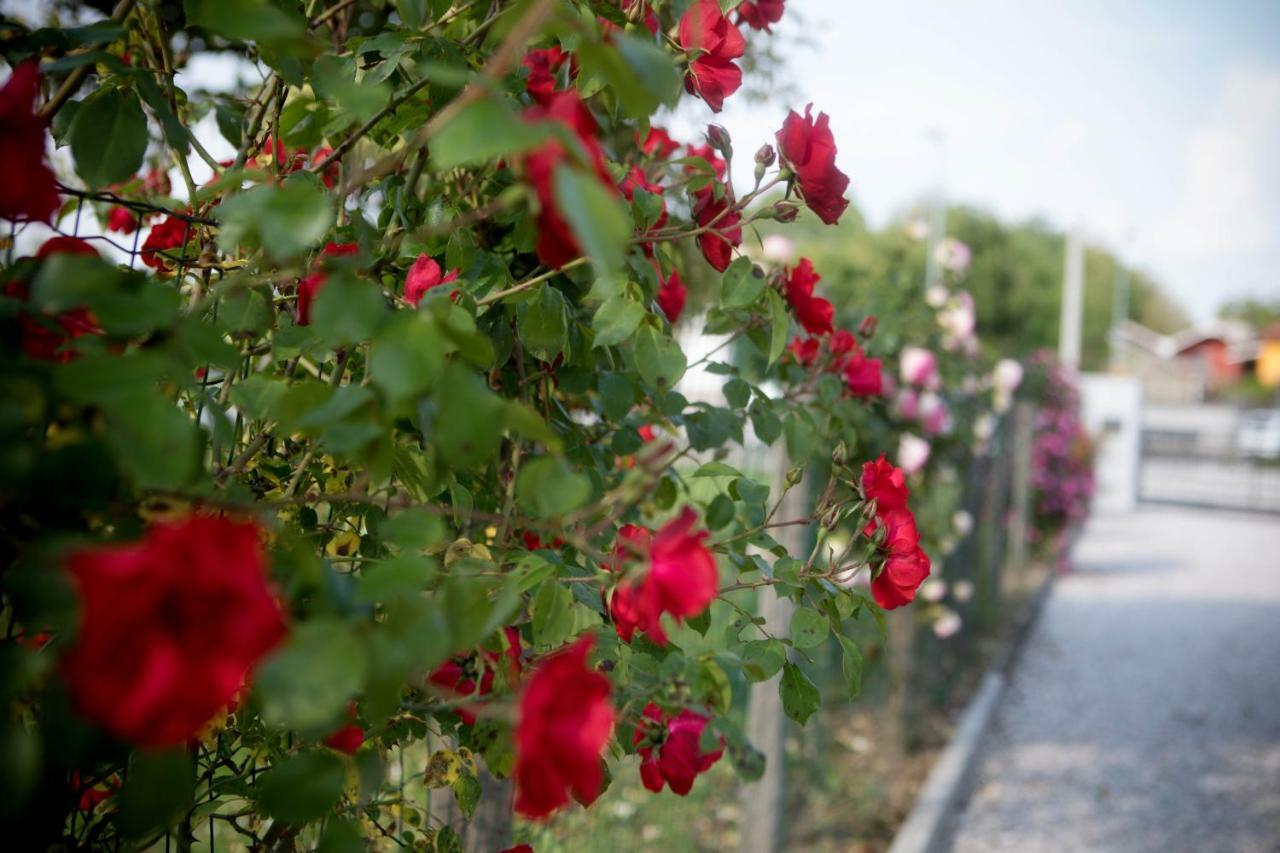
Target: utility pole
column 1072, row 320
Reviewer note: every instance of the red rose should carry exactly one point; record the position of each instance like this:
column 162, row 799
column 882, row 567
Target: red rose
column 309, row 287
column 759, row 14
column 805, row 350
column 169, row 233
column 885, row 484
column 723, row 224
column 658, row 143
column 170, row 627
column 556, row 244
column 332, row 171
column 565, row 722
column 347, row 738
column 712, row 42
column 534, row 542
column 681, row 579
column 863, row 376
column 810, row 151
column 843, row 342
column 519, row 848
column 672, row 296
column 28, row 188
column 813, row 312
column 474, row 674
column 43, row 337
column 543, row 65
column 156, row 181
column 122, row 220
column 670, row 749
column 424, row 275
column 905, row 564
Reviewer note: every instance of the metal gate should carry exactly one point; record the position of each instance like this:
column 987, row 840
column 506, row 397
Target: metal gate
column 1193, row 459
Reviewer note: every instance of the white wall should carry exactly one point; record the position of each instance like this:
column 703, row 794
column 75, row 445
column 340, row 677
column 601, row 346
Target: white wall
column 1112, row 410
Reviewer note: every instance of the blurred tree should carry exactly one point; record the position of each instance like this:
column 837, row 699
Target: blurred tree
column 1256, row 312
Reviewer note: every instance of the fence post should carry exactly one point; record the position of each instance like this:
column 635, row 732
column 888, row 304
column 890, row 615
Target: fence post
column 761, row 801
column 1023, row 418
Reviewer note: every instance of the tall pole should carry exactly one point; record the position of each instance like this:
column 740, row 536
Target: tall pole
column 1119, row 311
column 1072, row 321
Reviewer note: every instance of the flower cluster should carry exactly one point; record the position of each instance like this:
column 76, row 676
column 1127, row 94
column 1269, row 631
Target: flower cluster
column 1061, row 454
column 903, row 564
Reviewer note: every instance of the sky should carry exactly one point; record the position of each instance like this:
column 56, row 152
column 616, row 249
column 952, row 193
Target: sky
column 1151, row 125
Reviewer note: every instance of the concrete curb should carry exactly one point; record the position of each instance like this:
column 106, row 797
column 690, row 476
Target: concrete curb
column 928, row 827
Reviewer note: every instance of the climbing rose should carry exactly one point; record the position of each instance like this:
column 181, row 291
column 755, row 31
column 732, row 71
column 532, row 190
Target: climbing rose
column 170, row 233
column 919, row 367
column 671, row 297
column 905, row 566
column 863, row 376
column 759, row 14
column 459, row 675
column 658, row 143
column 884, row 484
column 913, row 452
column 810, row 150
column 309, row 287
column 805, row 350
column 348, row 737
column 519, row 848
column 681, row 578
column 813, row 312
column 712, row 42
column 424, row 275
column 170, row 627
column 670, row 749
column 725, row 231
column 122, row 220
column 44, row 337
column 543, row 65
column 565, row 723
column 556, row 244
column 28, row 188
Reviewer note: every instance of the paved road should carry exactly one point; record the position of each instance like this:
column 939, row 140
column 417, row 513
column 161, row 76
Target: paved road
column 1144, row 713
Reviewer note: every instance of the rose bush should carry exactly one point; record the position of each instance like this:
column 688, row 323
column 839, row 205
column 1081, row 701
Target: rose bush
column 381, row 450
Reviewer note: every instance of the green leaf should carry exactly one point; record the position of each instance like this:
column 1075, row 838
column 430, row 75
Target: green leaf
column 716, row 469
column 157, row 791
column 552, row 614
column 659, row 358
column 778, row 326
column 335, row 80
column 549, row 487
column 284, row 221
column 617, row 395
column 303, row 787
column 808, row 628
column 642, row 75
column 742, row 284
column 599, row 220
column 616, row 320
column 468, row 422
column 850, row 665
column 341, row 836
column 761, row 659
column 543, row 324
column 248, row 20
column 244, row 310
column 307, row 684
column 408, row 355
column 412, row 12
column 406, row 575
column 348, row 311
column 800, row 698
column 484, row 131
column 153, row 441
column 413, row 529
column 467, row 790
column 109, row 137
column 764, row 421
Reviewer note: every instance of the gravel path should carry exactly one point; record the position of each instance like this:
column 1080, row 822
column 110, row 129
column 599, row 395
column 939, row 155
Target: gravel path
column 1144, row 712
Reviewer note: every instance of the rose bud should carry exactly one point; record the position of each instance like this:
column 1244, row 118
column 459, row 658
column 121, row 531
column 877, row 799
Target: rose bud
column 766, row 155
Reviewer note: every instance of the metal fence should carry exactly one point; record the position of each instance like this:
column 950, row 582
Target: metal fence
column 1207, row 463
